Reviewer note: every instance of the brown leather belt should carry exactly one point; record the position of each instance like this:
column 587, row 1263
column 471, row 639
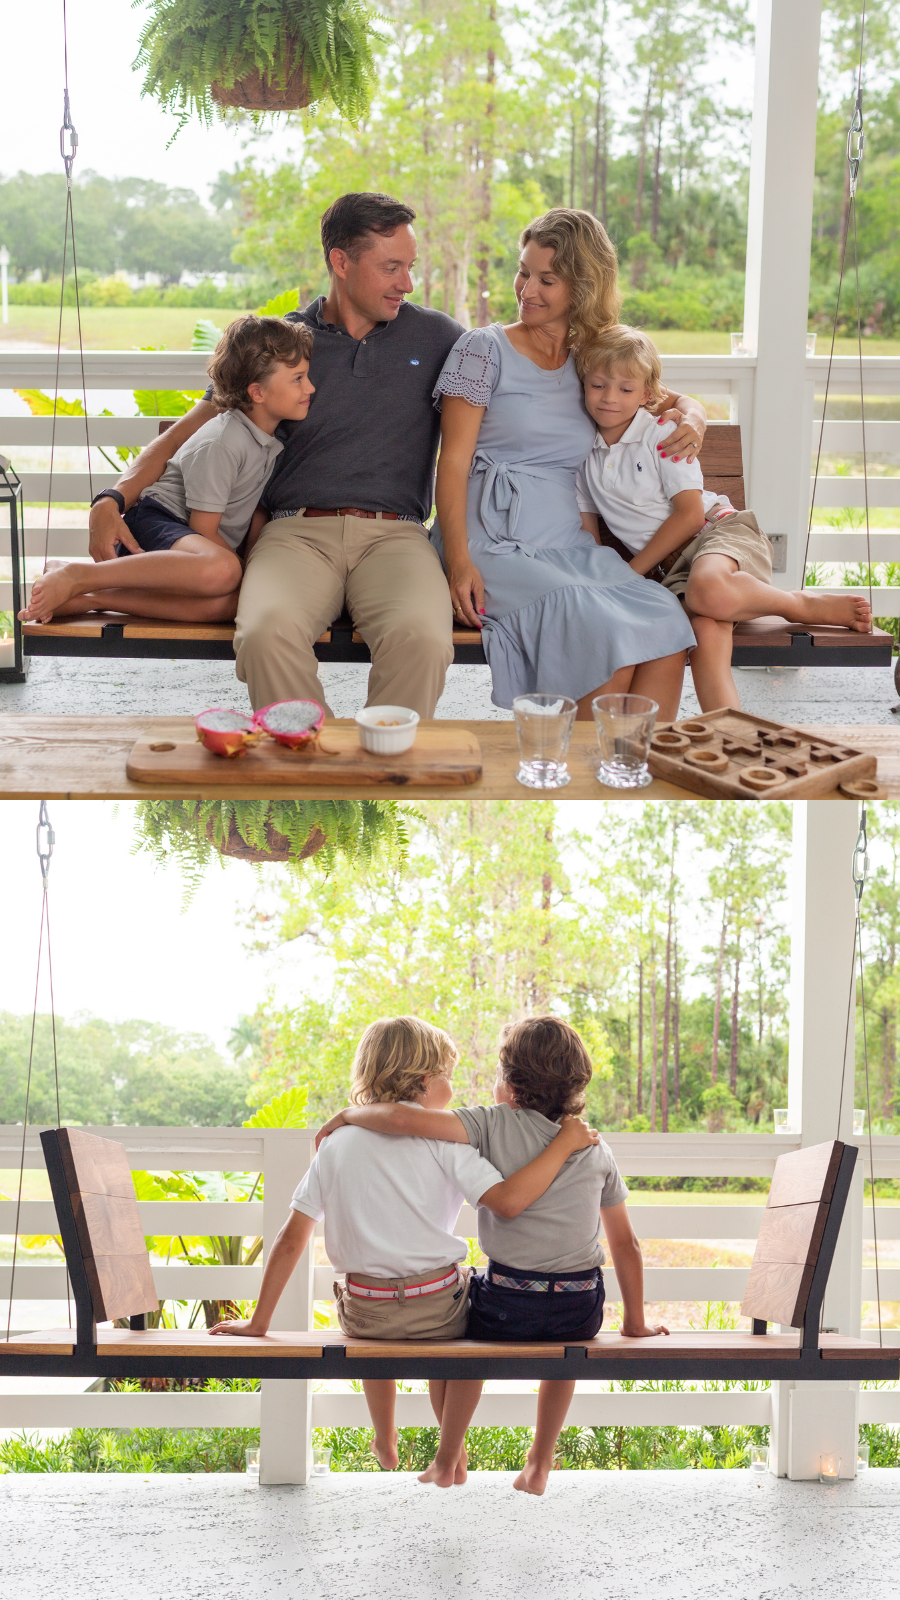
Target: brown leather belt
column 351, row 511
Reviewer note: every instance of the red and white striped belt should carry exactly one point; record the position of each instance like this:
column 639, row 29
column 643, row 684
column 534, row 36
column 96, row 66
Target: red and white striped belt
column 365, row 1291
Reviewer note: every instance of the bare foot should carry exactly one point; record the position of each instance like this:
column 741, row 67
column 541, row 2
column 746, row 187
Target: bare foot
column 47, row 593
column 462, row 1466
column 847, row 611
column 533, row 1478
column 385, row 1452
column 444, row 1477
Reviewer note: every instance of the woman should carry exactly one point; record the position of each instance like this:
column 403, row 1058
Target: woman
column 560, row 613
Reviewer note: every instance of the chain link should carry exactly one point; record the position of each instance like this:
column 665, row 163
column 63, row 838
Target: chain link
column 44, row 844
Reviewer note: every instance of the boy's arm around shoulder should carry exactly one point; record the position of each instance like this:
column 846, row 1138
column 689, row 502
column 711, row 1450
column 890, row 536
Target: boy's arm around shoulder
column 625, row 1250
column 405, row 1119
column 520, row 1190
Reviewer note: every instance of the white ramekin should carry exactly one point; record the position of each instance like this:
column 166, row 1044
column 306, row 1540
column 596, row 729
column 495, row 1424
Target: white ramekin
column 386, row 741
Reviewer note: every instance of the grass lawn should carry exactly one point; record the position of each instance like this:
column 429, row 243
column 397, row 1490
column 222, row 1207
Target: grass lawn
column 121, row 328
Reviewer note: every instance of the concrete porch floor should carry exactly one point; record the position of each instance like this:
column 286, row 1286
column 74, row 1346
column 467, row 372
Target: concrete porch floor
column 56, row 685
column 643, row 1535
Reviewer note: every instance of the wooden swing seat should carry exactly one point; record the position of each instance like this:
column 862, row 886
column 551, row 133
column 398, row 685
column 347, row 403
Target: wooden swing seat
column 765, row 642
column 111, row 1278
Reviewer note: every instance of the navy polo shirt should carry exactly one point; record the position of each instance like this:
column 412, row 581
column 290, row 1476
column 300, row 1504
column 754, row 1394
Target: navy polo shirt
column 371, row 437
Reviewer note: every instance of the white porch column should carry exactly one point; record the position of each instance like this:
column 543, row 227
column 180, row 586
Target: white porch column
column 776, row 303
column 813, row 1418
column 286, row 1403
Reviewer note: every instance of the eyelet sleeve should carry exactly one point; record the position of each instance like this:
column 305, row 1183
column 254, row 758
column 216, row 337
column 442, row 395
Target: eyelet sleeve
column 471, row 369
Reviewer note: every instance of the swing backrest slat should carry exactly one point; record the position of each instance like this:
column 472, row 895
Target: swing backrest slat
column 791, row 1234
column 104, row 1207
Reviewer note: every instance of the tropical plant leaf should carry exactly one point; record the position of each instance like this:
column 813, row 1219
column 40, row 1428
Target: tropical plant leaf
column 41, row 405
column 280, row 304
column 165, row 402
column 287, row 1110
column 205, row 335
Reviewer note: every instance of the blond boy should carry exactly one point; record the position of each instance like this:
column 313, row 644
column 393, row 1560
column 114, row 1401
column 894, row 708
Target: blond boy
column 716, row 559
column 389, row 1207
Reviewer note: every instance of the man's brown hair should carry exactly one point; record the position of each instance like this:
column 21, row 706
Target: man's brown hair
column 249, row 351
column 545, row 1064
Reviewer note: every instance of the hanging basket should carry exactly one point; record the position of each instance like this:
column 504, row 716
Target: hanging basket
column 278, row 845
column 287, row 89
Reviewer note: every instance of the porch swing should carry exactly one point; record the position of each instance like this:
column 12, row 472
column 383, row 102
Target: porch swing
column 764, row 642
column 111, row 1277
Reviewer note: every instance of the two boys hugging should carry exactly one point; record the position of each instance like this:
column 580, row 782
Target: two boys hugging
column 543, row 1183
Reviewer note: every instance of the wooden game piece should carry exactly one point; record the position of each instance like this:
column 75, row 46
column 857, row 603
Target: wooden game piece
column 668, row 739
column 708, row 760
column 824, row 755
column 761, row 779
column 698, row 732
column 862, row 789
column 741, row 747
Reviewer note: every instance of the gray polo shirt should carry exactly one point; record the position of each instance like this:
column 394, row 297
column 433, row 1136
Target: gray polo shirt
column 560, row 1231
column 222, row 467
column 371, row 437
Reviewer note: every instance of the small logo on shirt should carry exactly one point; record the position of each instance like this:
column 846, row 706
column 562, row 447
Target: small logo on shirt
column 413, row 361
column 639, row 467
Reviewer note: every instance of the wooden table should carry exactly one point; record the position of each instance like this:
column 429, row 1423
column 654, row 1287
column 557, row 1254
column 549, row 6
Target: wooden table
column 83, row 758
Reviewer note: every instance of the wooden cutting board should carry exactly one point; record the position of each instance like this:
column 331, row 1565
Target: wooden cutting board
column 439, row 756
column 729, row 755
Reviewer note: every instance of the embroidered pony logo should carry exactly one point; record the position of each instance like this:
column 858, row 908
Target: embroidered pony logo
column 413, row 361
column 639, row 467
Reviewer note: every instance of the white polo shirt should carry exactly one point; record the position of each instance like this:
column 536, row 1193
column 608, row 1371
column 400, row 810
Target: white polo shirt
column 390, row 1202
column 630, row 484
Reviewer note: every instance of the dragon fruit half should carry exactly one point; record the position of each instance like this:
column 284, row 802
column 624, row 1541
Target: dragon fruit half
column 296, row 723
column 226, row 733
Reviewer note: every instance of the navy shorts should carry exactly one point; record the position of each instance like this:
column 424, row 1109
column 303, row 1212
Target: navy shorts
column 153, row 526
column 527, row 1314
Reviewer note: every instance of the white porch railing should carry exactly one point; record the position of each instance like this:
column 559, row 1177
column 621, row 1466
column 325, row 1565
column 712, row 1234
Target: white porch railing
column 283, row 1157
column 728, row 379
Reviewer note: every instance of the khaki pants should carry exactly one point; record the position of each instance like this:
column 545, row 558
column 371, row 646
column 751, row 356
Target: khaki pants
column 442, row 1315
column 300, row 572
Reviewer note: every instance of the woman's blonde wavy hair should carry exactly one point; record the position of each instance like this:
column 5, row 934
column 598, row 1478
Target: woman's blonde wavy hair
column 585, row 259
column 394, row 1055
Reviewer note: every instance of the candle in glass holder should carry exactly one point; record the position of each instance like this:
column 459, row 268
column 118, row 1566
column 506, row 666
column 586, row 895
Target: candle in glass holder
column 7, row 651
column 829, row 1468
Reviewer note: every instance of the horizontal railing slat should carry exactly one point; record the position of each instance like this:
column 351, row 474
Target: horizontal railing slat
column 106, row 431
column 157, row 1216
column 851, row 491
column 175, row 1410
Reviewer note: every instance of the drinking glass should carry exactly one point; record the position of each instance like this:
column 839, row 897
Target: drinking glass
column 321, row 1461
column 759, row 1458
column 251, row 1463
column 862, row 1457
column 624, row 729
column 543, row 728
column 780, row 1119
column 859, row 1120
column 829, row 1468
column 810, row 344
column 739, row 347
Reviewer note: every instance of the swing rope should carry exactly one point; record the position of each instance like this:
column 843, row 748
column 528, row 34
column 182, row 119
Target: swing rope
column 860, row 874
column 856, row 144
column 68, row 148
column 45, row 840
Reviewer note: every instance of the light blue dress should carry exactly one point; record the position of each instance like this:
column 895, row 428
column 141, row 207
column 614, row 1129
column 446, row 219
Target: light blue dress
column 563, row 613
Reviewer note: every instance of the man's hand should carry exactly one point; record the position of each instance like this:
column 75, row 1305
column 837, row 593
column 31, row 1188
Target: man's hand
column 577, row 1133
column 643, row 1330
column 330, row 1127
column 467, row 594
column 684, row 443
column 106, row 528
column 237, row 1328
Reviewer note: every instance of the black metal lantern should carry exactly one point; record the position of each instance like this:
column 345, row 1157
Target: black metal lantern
column 12, row 656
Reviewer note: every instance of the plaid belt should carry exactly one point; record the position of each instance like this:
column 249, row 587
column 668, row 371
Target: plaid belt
column 551, row 1284
column 363, row 1291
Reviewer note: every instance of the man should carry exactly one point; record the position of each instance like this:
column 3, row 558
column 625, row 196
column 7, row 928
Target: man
column 353, row 486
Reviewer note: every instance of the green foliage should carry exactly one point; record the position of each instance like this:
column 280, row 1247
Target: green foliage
column 205, row 335
column 280, row 304
column 188, row 45
column 137, row 1450
column 287, row 1110
column 357, row 832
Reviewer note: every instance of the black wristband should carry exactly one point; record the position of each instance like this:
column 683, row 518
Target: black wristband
column 111, row 494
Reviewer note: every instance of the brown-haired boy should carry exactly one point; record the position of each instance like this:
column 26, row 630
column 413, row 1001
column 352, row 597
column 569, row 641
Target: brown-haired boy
column 716, row 559
column 189, row 531
column 543, row 1278
column 389, row 1209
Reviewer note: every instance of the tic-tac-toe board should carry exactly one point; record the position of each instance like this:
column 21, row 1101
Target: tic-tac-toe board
column 728, row 755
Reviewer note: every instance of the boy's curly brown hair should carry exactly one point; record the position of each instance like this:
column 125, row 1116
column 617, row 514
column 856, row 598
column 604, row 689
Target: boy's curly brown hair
column 545, row 1064
column 249, row 350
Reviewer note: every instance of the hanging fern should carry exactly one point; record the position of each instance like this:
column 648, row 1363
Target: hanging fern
column 193, row 832
column 188, row 45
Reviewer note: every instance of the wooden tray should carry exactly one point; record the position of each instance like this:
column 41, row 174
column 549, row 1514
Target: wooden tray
column 720, row 755
column 439, row 756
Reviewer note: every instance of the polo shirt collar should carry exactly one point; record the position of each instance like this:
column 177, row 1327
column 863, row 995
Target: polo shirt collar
column 259, row 434
column 633, row 434
column 317, row 310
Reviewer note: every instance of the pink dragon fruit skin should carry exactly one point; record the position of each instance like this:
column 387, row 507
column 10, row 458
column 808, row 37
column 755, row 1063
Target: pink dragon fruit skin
column 224, row 732
column 295, row 723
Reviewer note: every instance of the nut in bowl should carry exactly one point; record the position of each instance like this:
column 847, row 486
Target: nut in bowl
column 387, row 730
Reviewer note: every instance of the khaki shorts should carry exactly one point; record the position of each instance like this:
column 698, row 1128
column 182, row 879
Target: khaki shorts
column 442, row 1315
column 737, row 535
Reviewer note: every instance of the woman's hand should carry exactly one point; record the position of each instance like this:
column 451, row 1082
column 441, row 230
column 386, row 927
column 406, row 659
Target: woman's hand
column 684, row 443
column 466, row 594
column 644, row 1330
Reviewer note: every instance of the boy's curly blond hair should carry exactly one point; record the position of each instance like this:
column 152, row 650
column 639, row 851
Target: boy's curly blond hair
column 395, row 1058
column 625, row 349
